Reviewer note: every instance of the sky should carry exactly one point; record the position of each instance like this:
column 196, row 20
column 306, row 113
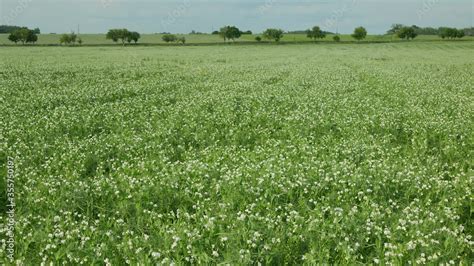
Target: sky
column 183, row 16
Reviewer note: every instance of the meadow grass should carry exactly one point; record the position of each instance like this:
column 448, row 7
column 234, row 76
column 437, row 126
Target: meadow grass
column 298, row 154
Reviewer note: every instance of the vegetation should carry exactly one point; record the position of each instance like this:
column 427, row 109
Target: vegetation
column 23, row 35
column 288, row 155
column 406, row 33
column 336, row 38
column 359, row 33
column 10, row 29
column 315, row 33
column 230, row 33
column 451, row 33
column 68, row 39
column 169, row 38
column 273, row 34
column 123, row 35
column 133, row 36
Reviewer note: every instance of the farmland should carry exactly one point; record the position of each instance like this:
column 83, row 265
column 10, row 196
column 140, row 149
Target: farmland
column 274, row 154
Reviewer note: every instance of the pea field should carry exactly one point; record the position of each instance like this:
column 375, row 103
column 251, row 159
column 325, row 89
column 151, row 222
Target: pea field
column 303, row 154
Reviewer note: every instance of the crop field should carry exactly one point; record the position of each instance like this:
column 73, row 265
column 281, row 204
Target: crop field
column 99, row 39
column 240, row 155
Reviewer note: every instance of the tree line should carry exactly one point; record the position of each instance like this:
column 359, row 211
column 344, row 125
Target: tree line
column 410, row 32
column 232, row 33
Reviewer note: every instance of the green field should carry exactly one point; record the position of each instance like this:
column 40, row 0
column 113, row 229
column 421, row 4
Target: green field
column 99, row 39
column 297, row 154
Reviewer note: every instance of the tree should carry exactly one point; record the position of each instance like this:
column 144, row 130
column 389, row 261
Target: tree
column 13, row 37
column 169, row 38
column 68, row 38
column 460, row 33
column 23, row 35
column 79, row 41
column 118, row 34
column 273, row 34
column 359, row 33
column 258, row 39
column 407, row 33
column 395, row 28
column 315, row 33
column 450, row 33
column 37, row 31
column 64, row 39
column 181, row 40
column 215, row 32
column 32, row 37
column 135, row 36
column 336, row 38
column 230, row 33
column 8, row 29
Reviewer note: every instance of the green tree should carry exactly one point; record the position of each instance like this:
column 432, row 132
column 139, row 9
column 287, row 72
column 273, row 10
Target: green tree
column 118, row 34
column 395, row 28
column 64, row 39
column 273, row 34
column 450, row 33
column 336, row 38
column 258, row 39
column 135, row 36
column 230, row 33
column 359, row 33
column 460, row 33
column 13, row 37
column 23, row 35
column 169, row 38
column 315, row 33
column 68, row 39
column 181, row 40
column 407, row 33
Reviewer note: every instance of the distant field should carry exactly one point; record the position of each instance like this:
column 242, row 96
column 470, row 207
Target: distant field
column 98, row 39
column 239, row 155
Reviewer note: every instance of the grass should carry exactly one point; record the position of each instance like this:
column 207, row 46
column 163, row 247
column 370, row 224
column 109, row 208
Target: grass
column 301, row 154
column 99, row 39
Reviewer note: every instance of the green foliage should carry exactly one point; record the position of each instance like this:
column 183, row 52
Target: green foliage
column 23, row 35
column 273, row 34
column 8, row 28
column 406, row 33
column 359, row 33
column 315, row 33
column 181, row 40
column 69, row 39
column 230, row 33
column 336, row 38
column 133, row 36
column 123, row 35
column 169, row 38
column 258, row 39
column 451, row 33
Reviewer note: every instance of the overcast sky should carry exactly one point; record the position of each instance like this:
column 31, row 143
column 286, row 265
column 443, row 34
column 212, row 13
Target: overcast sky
column 182, row 16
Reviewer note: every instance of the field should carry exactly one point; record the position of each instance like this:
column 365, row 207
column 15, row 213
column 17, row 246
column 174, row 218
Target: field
column 148, row 39
column 292, row 154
